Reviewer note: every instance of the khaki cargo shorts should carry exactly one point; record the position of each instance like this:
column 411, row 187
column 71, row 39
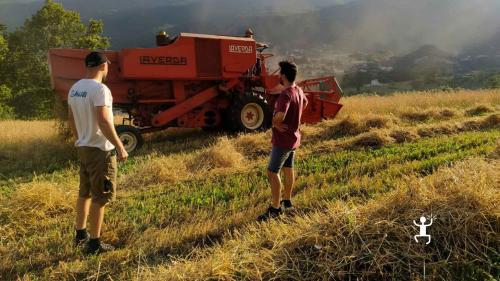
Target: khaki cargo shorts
column 97, row 174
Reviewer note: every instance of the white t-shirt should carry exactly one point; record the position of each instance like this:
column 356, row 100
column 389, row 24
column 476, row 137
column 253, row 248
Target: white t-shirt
column 83, row 97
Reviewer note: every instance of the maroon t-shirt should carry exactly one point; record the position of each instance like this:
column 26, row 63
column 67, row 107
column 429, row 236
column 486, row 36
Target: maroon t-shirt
column 291, row 102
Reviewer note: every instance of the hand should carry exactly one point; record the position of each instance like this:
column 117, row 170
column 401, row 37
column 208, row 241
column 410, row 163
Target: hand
column 122, row 154
column 280, row 127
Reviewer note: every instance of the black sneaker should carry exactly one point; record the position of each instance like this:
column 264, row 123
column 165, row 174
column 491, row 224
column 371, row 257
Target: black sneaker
column 286, row 204
column 80, row 241
column 270, row 213
column 96, row 248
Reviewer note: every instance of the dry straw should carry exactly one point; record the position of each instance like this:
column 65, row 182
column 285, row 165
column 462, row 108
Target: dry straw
column 222, row 155
column 370, row 242
column 401, row 135
column 373, row 139
column 419, row 115
column 377, row 138
column 253, row 145
column 342, row 242
column 155, row 169
column 479, row 110
column 41, row 200
column 418, row 100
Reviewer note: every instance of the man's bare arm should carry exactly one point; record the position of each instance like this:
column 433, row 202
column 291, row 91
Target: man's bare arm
column 71, row 122
column 278, row 119
column 108, row 130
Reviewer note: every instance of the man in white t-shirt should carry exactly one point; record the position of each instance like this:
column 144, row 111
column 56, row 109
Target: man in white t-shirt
column 90, row 116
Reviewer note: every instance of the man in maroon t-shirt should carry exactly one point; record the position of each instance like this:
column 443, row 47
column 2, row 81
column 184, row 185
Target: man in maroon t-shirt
column 286, row 138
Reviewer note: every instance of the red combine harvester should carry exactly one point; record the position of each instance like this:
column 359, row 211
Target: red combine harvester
column 194, row 81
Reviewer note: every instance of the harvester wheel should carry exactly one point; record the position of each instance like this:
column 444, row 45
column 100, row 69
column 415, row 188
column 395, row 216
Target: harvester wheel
column 130, row 137
column 250, row 112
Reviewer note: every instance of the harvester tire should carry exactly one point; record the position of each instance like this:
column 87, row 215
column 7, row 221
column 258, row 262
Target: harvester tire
column 250, row 112
column 130, row 136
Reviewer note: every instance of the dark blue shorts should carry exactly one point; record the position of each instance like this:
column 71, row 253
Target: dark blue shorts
column 280, row 157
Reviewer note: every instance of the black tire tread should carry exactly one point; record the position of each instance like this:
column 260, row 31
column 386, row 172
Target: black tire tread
column 128, row 128
column 240, row 102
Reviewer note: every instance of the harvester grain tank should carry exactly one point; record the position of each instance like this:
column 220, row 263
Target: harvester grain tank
column 193, row 81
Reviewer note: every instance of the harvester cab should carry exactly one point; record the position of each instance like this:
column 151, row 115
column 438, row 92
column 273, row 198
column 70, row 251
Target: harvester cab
column 193, row 81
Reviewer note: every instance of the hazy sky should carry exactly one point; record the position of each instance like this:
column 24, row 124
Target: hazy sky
column 450, row 24
column 400, row 25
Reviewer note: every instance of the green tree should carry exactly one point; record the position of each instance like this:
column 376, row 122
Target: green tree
column 494, row 82
column 6, row 111
column 3, row 44
column 357, row 79
column 25, row 69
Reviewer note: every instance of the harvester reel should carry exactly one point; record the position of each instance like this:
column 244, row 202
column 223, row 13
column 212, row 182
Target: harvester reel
column 251, row 112
column 130, row 136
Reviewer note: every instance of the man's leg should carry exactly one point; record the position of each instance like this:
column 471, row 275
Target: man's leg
column 289, row 182
column 82, row 212
column 103, row 175
column 278, row 157
column 96, row 218
column 83, row 200
column 274, row 179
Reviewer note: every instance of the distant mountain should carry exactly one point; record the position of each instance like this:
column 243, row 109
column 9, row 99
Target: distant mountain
column 490, row 47
column 14, row 12
column 423, row 56
column 481, row 56
column 427, row 60
column 143, row 18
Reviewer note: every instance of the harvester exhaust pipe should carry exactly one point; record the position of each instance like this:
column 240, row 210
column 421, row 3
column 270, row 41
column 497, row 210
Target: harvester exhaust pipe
column 162, row 39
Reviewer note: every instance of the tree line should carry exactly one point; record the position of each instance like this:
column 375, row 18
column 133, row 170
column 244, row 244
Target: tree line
column 25, row 90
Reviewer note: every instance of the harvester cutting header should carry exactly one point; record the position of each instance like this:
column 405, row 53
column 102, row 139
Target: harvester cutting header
column 193, row 81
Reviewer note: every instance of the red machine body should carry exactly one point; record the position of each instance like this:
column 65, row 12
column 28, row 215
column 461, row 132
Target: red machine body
column 196, row 80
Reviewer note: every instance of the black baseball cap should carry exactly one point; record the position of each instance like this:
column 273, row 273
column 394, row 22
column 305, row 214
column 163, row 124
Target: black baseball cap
column 95, row 59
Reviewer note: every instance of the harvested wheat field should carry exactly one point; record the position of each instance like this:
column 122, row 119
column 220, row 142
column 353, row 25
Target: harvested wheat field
column 187, row 201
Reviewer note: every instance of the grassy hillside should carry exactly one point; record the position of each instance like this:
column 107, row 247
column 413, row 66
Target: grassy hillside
column 187, row 202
